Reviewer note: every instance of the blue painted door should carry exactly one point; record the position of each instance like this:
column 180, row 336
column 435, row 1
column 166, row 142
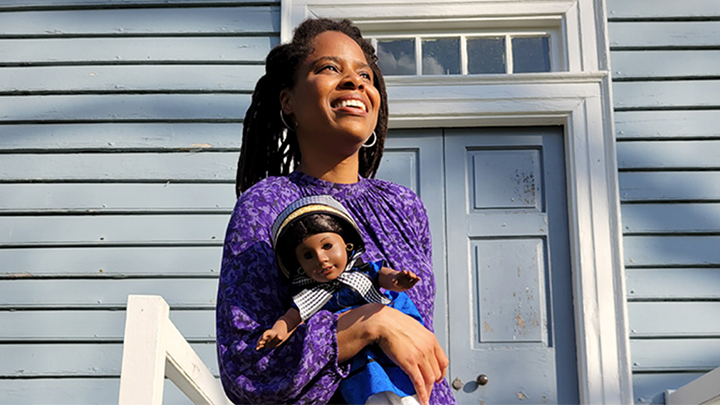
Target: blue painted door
column 414, row 158
column 498, row 214
column 509, row 279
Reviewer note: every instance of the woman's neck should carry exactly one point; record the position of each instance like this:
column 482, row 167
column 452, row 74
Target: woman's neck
column 344, row 171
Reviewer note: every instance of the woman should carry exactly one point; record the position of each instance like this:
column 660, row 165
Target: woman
column 325, row 91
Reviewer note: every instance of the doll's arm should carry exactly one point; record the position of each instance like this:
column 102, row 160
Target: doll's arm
column 281, row 330
column 394, row 280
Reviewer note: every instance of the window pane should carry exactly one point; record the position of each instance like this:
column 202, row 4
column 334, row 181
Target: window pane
column 396, row 56
column 486, row 55
column 531, row 54
column 441, row 56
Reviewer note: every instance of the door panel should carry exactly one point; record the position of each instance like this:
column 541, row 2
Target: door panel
column 511, row 309
column 510, row 315
column 414, row 159
column 497, row 209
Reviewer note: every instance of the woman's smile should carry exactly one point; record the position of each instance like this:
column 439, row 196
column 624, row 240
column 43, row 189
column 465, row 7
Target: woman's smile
column 351, row 104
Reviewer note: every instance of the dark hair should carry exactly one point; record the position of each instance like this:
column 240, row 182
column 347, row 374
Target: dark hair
column 299, row 230
column 264, row 151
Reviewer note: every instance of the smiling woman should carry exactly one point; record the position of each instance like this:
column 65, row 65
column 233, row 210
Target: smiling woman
column 334, row 105
column 290, row 68
column 317, row 125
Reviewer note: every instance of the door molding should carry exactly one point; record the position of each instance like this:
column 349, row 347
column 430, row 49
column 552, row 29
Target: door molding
column 580, row 101
column 593, row 199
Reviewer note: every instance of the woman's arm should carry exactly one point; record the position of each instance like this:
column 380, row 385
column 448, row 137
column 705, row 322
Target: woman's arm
column 404, row 340
column 252, row 295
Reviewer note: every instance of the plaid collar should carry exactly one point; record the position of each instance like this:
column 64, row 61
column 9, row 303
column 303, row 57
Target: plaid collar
column 315, row 295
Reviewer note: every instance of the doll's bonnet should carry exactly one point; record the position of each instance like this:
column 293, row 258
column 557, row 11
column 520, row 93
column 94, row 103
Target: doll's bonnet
column 304, row 207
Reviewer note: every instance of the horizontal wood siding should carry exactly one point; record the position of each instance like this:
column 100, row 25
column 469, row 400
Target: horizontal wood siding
column 120, row 126
column 665, row 60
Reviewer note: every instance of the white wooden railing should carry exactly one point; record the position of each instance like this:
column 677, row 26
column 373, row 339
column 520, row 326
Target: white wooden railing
column 154, row 349
column 704, row 390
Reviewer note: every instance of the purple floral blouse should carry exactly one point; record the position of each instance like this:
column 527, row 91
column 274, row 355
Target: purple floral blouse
column 253, row 292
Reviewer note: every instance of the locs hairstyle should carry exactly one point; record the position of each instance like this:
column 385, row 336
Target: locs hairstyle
column 265, row 151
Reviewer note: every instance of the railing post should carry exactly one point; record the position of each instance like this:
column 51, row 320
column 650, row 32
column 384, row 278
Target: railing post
column 143, row 365
column 704, row 390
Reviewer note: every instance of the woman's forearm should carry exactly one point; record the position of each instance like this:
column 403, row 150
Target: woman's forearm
column 404, row 340
column 356, row 329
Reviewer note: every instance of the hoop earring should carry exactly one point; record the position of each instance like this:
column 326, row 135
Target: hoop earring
column 300, row 271
column 282, row 118
column 349, row 247
column 371, row 144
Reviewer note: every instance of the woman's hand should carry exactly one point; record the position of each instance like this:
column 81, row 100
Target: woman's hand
column 403, row 339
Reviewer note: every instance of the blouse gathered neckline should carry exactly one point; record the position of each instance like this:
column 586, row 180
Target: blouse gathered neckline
column 345, row 189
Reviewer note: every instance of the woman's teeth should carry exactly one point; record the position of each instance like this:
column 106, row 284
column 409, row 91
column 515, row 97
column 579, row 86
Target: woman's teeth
column 351, row 103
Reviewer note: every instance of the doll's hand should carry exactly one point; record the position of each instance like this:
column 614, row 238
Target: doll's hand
column 405, row 280
column 270, row 339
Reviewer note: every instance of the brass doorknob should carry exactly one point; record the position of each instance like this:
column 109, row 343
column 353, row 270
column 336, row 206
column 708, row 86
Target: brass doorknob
column 482, row 379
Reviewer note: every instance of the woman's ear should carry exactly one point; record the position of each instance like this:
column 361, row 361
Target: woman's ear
column 285, row 102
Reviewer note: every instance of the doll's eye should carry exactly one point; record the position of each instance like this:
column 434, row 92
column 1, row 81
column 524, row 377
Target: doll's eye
column 307, row 256
column 327, row 246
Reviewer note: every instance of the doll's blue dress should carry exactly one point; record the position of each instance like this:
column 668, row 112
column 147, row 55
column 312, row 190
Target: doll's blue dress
column 371, row 371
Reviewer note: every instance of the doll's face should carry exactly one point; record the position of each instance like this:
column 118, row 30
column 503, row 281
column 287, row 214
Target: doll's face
column 323, row 256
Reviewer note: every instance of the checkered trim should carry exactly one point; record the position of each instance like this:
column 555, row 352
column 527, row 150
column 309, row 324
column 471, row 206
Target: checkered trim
column 311, row 300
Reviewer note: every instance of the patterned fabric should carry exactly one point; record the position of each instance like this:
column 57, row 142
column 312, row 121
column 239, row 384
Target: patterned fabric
column 253, row 293
column 310, row 300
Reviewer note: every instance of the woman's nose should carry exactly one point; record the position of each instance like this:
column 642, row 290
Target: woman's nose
column 352, row 81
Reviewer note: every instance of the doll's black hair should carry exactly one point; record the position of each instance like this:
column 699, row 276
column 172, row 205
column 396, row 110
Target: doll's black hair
column 265, row 151
column 302, row 228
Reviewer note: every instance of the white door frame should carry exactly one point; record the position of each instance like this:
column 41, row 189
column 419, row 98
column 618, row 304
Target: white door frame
column 579, row 99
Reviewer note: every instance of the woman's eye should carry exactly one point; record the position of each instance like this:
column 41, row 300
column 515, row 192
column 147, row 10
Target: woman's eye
column 366, row 76
column 329, row 67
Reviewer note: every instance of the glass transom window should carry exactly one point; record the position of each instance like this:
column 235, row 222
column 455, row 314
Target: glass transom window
column 474, row 54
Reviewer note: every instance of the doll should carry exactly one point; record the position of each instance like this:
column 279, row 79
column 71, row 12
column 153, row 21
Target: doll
column 318, row 246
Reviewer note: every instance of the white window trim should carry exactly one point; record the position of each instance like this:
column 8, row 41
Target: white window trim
column 579, row 99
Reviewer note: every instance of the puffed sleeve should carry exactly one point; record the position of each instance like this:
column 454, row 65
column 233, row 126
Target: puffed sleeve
column 252, row 294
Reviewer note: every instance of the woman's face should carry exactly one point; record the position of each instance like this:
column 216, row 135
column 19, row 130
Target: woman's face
column 334, row 102
column 323, row 256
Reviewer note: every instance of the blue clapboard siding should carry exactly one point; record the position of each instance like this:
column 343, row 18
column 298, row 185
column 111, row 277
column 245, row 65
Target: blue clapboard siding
column 120, row 125
column 91, row 325
column 96, row 52
column 122, row 107
column 665, row 61
column 74, row 359
column 155, row 136
column 196, row 166
column 87, row 390
column 220, row 78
